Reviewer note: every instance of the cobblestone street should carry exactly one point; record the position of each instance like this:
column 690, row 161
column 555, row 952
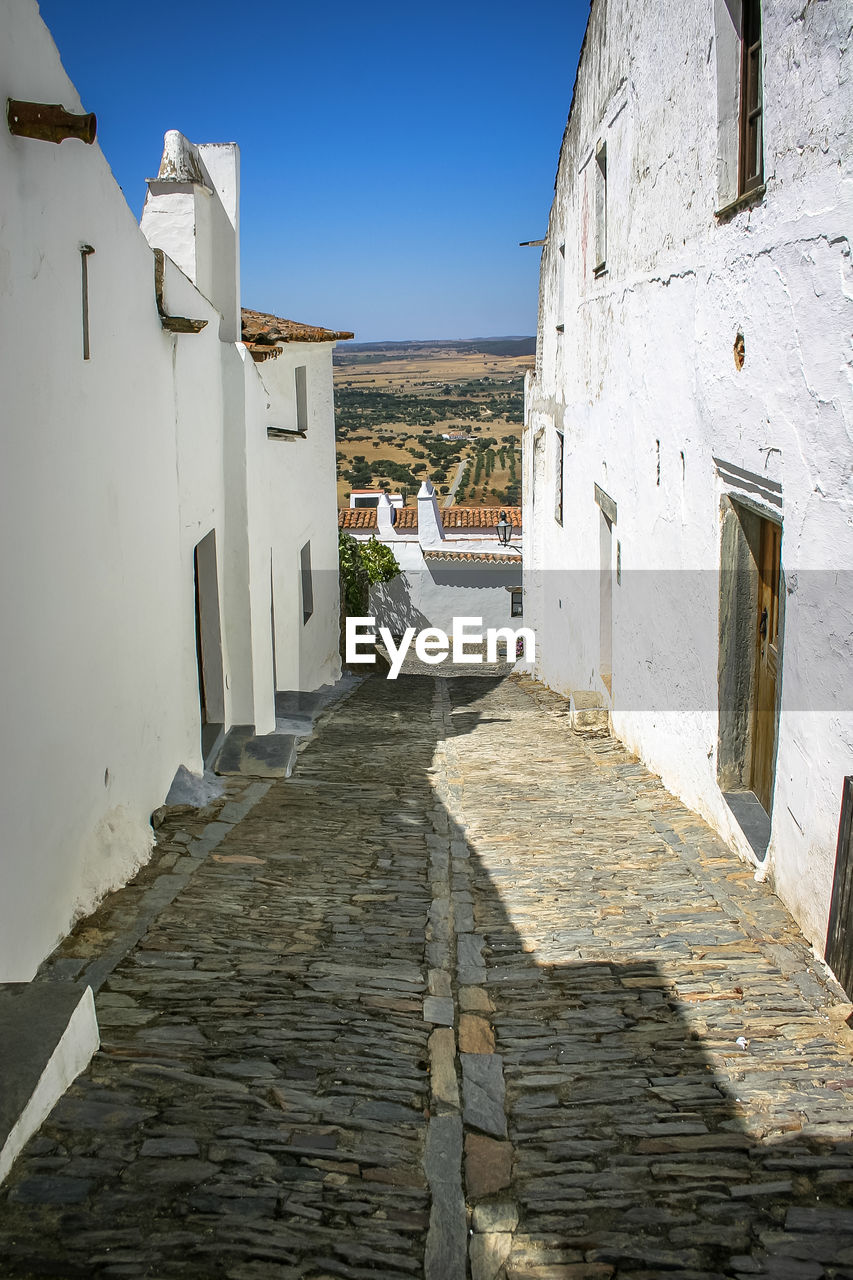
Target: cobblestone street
column 467, row 995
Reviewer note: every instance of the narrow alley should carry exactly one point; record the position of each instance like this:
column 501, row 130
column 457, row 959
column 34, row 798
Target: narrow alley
column 467, row 995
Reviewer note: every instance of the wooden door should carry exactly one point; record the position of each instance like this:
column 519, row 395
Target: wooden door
column 839, row 935
column 767, row 663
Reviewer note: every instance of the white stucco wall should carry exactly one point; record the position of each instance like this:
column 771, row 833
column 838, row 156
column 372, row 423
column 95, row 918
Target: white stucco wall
column 643, row 384
column 432, row 593
column 299, row 473
column 115, row 468
column 89, row 468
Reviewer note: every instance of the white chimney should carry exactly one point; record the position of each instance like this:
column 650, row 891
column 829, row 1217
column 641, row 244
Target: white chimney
column 430, row 528
column 385, row 517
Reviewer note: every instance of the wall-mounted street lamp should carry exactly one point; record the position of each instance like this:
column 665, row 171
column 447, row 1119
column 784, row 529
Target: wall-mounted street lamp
column 504, row 530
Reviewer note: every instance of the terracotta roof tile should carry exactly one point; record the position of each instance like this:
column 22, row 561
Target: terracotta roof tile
column 405, row 517
column 478, row 517
column 476, row 556
column 357, row 518
column 451, row 517
column 365, row 518
column 264, row 333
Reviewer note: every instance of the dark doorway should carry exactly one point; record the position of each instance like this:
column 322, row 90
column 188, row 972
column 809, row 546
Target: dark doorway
column 208, row 641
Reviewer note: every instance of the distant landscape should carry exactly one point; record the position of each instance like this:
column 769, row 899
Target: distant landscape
column 395, row 400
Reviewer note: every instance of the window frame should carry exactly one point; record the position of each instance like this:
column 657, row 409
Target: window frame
column 751, row 122
column 558, row 477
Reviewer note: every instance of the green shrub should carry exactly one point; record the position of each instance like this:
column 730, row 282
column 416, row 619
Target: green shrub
column 379, row 561
column 361, row 564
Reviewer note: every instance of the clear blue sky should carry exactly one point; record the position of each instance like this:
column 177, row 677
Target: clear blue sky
column 393, row 156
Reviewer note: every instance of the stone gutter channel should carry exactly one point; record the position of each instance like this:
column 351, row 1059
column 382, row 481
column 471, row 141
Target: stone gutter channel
column 467, row 1127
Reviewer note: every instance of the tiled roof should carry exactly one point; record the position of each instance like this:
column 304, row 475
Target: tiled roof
column 365, row 518
column 478, row 517
column 262, row 333
column 451, row 517
column 477, row 556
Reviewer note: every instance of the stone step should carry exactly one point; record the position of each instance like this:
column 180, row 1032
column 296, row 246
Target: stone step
column 587, row 712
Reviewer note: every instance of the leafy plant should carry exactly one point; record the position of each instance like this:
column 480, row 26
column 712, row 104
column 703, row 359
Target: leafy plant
column 362, row 564
column 379, row 561
column 354, row 578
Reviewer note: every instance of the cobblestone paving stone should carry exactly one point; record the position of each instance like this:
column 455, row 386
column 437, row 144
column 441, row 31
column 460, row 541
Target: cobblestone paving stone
column 258, row 1105
column 462, row 997
column 624, row 953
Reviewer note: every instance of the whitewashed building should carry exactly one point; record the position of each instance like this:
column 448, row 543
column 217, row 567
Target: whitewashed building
column 452, row 563
column 168, row 512
column 688, row 470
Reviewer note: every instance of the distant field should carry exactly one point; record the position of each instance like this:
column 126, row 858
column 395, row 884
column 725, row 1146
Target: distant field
column 393, row 402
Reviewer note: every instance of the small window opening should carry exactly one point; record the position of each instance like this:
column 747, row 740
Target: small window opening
column 516, row 606
column 657, row 448
column 307, row 582
column 558, row 479
column 600, row 177
column 301, row 374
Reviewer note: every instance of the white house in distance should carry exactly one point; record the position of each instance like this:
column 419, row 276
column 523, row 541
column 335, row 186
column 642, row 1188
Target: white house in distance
column 453, row 563
column 168, row 495
column 370, row 498
column 688, row 485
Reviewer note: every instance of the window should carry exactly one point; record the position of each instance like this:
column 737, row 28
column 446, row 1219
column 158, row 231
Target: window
column 301, row 373
column 751, row 101
column 307, row 582
column 558, row 480
column 600, row 180
column 516, row 606
column 740, row 140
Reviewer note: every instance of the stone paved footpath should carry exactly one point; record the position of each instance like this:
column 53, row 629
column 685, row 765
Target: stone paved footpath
column 467, row 995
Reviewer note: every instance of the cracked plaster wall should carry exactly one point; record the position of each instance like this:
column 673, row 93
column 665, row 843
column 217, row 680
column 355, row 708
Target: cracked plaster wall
column 643, row 384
